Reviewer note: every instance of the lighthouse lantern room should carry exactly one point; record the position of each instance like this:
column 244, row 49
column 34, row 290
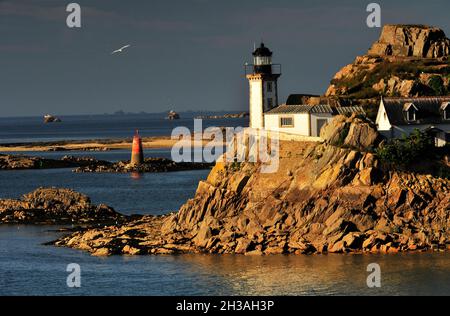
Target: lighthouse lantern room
column 262, row 77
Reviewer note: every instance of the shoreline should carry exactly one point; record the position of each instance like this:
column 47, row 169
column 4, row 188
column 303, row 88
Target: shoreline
column 106, row 144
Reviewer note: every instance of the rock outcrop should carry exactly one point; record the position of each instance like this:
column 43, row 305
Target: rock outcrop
column 149, row 165
column 19, row 162
column 56, row 206
column 89, row 164
column 411, row 41
column 330, row 197
column 406, row 61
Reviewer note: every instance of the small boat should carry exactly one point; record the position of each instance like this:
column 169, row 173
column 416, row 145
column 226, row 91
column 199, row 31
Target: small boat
column 51, row 119
column 173, row 115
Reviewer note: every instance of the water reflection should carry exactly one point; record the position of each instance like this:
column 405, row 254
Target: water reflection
column 402, row 274
column 135, row 175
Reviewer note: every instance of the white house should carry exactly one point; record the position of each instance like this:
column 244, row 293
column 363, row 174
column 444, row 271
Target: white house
column 291, row 118
column 305, row 120
column 401, row 116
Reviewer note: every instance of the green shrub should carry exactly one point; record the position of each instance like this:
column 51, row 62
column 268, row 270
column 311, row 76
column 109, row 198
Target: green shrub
column 402, row 152
column 437, row 84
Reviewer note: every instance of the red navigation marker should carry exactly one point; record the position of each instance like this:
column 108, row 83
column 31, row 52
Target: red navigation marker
column 137, row 152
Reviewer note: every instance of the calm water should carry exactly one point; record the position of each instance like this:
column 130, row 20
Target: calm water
column 26, row 267
column 99, row 126
column 29, row 268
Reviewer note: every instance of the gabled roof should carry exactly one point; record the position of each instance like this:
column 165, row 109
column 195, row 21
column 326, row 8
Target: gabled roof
column 317, row 109
column 290, row 109
column 428, row 110
column 300, row 108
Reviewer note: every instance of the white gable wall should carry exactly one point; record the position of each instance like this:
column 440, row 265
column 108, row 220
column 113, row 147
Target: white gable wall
column 382, row 120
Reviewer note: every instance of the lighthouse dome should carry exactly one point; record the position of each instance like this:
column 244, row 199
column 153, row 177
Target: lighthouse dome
column 262, row 51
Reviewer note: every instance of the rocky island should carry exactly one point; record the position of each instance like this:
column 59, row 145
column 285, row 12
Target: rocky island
column 89, row 164
column 330, row 197
column 52, row 206
column 149, row 165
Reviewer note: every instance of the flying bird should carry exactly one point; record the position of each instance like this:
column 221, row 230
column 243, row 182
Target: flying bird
column 120, row 50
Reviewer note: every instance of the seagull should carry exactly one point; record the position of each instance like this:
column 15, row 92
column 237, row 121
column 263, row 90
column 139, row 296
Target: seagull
column 120, row 50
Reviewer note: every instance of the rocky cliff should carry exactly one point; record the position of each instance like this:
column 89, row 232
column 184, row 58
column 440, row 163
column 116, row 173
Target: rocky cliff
column 407, row 60
column 325, row 197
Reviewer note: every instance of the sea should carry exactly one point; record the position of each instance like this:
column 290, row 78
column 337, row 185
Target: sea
column 28, row 267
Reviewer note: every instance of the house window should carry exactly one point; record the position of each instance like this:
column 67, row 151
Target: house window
column 410, row 111
column 286, row 122
column 411, row 114
column 269, row 87
column 270, row 103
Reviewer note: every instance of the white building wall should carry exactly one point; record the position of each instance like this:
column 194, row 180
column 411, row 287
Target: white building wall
column 301, row 123
column 256, row 106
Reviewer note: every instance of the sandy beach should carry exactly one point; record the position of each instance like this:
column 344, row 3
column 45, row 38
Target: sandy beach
column 92, row 145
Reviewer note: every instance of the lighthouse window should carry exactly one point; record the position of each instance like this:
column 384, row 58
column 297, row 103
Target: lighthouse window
column 270, row 103
column 286, row 122
column 269, row 87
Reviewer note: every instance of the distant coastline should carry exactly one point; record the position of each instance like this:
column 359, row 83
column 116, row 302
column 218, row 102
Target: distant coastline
column 224, row 116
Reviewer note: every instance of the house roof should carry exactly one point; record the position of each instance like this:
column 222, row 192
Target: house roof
column 290, row 109
column 428, row 110
column 317, row 109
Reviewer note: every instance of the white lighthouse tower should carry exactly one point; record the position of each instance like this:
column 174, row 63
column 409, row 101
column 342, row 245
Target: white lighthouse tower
column 263, row 85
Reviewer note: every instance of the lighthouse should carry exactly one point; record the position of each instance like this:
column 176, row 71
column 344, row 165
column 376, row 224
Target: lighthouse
column 263, row 76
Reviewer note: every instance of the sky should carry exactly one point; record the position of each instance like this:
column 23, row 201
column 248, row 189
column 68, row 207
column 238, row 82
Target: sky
column 184, row 55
